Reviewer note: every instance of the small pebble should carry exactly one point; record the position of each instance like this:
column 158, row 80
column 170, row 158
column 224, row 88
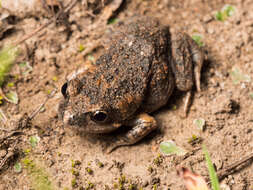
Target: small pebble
column 207, row 18
column 3, row 153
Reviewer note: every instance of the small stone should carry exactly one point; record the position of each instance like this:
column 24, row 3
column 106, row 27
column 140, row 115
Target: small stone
column 51, row 163
column 210, row 30
column 155, row 180
column 224, row 187
column 249, row 131
column 231, row 180
column 219, row 164
column 3, row 153
column 224, row 104
column 55, row 48
column 207, row 18
column 145, row 183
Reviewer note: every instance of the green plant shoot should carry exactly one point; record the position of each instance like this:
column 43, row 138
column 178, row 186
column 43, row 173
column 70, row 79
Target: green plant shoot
column 211, row 170
column 7, row 57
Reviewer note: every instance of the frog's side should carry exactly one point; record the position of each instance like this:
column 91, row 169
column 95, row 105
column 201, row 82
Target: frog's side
column 135, row 77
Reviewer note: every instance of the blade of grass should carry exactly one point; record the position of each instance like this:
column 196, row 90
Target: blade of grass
column 7, row 57
column 211, row 170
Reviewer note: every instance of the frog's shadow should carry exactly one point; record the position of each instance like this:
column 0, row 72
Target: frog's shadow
column 106, row 140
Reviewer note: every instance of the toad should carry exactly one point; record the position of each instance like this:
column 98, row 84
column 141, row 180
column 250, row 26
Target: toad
column 133, row 78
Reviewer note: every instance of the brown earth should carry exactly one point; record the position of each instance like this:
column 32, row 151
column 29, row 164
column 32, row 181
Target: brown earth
column 226, row 106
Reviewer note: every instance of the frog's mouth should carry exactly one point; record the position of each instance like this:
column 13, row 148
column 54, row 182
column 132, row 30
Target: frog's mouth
column 97, row 129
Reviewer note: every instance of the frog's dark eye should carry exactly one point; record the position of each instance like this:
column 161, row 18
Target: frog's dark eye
column 99, row 116
column 64, row 89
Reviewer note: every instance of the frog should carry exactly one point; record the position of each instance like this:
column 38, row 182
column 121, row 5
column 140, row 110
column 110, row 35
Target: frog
column 134, row 77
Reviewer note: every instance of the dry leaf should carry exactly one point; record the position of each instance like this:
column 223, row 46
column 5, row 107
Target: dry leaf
column 192, row 181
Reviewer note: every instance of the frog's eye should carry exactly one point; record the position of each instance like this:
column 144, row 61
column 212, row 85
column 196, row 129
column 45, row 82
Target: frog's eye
column 64, row 89
column 99, row 116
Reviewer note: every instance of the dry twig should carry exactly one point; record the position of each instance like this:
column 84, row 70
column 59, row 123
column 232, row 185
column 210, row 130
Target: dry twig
column 237, row 165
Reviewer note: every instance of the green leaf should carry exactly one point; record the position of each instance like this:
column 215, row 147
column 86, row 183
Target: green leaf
column 251, row 95
column 23, row 64
column 229, row 10
column 12, row 97
column 226, row 11
column 237, row 76
column 198, row 40
column 169, row 148
column 34, row 141
column 55, row 78
column 199, row 123
column 211, row 170
column 112, row 21
column 7, row 57
column 17, row 168
column 40, row 179
column 91, row 58
column 219, row 16
column 81, row 48
column 194, row 139
column 174, row 107
column 26, row 68
column 10, row 84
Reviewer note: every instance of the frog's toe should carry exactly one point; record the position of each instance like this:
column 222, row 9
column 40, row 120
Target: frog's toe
column 187, row 103
column 143, row 125
column 118, row 143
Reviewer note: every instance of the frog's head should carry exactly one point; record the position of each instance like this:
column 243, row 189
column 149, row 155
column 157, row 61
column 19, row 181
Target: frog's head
column 84, row 110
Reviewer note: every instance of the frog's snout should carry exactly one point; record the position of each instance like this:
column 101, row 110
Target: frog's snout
column 70, row 118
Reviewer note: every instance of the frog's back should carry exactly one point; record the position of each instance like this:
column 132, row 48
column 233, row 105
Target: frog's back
column 134, row 73
column 161, row 81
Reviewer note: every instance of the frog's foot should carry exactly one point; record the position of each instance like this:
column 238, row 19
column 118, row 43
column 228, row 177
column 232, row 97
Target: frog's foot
column 198, row 59
column 143, row 125
column 187, row 103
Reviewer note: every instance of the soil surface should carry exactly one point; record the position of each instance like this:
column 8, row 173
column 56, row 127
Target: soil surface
column 71, row 160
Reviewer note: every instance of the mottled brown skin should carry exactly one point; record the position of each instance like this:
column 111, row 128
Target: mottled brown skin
column 135, row 77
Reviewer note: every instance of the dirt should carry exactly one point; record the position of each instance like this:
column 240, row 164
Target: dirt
column 75, row 161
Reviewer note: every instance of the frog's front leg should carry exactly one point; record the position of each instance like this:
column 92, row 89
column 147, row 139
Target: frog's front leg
column 187, row 61
column 143, row 124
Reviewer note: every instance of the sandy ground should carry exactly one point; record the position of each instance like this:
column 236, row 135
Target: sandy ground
column 226, row 104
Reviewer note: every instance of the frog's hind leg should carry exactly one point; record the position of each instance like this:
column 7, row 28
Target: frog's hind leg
column 187, row 60
column 197, row 59
column 143, row 124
